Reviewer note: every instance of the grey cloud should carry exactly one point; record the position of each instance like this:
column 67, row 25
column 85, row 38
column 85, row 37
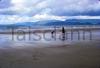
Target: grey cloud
column 55, row 7
column 4, row 4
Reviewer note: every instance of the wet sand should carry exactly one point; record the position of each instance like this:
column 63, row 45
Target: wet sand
column 50, row 54
column 77, row 55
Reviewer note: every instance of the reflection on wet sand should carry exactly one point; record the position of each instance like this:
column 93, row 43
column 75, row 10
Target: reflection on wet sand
column 19, row 51
column 47, row 38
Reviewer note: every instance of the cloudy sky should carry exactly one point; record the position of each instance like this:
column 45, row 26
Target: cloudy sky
column 14, row 11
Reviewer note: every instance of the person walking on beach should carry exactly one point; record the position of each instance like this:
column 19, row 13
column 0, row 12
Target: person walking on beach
column 63, row 33
column 52, row 33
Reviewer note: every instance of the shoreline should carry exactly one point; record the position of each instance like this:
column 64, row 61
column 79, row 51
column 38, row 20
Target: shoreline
column 30, row 30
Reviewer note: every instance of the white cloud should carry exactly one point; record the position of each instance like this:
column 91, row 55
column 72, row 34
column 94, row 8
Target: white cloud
column 56, row 7
column 19, row 19
column 7, row 19
column 37, row 10
column 49, row 17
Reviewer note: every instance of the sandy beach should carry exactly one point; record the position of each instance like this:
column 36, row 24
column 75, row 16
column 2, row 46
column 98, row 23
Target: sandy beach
column 24, row 53
column 49, row 33
column 78, row 55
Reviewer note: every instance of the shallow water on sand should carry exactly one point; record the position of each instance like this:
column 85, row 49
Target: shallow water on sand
column 41, row 40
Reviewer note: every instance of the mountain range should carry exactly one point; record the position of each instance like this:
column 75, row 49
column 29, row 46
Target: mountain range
column 54, row 23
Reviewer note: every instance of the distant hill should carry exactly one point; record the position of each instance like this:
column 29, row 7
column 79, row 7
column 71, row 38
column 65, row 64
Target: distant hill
column 75, row 22
column 54, row 23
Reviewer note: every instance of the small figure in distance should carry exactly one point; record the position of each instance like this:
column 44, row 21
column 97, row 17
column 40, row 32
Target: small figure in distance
column 52, row 33
column 63, row 33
